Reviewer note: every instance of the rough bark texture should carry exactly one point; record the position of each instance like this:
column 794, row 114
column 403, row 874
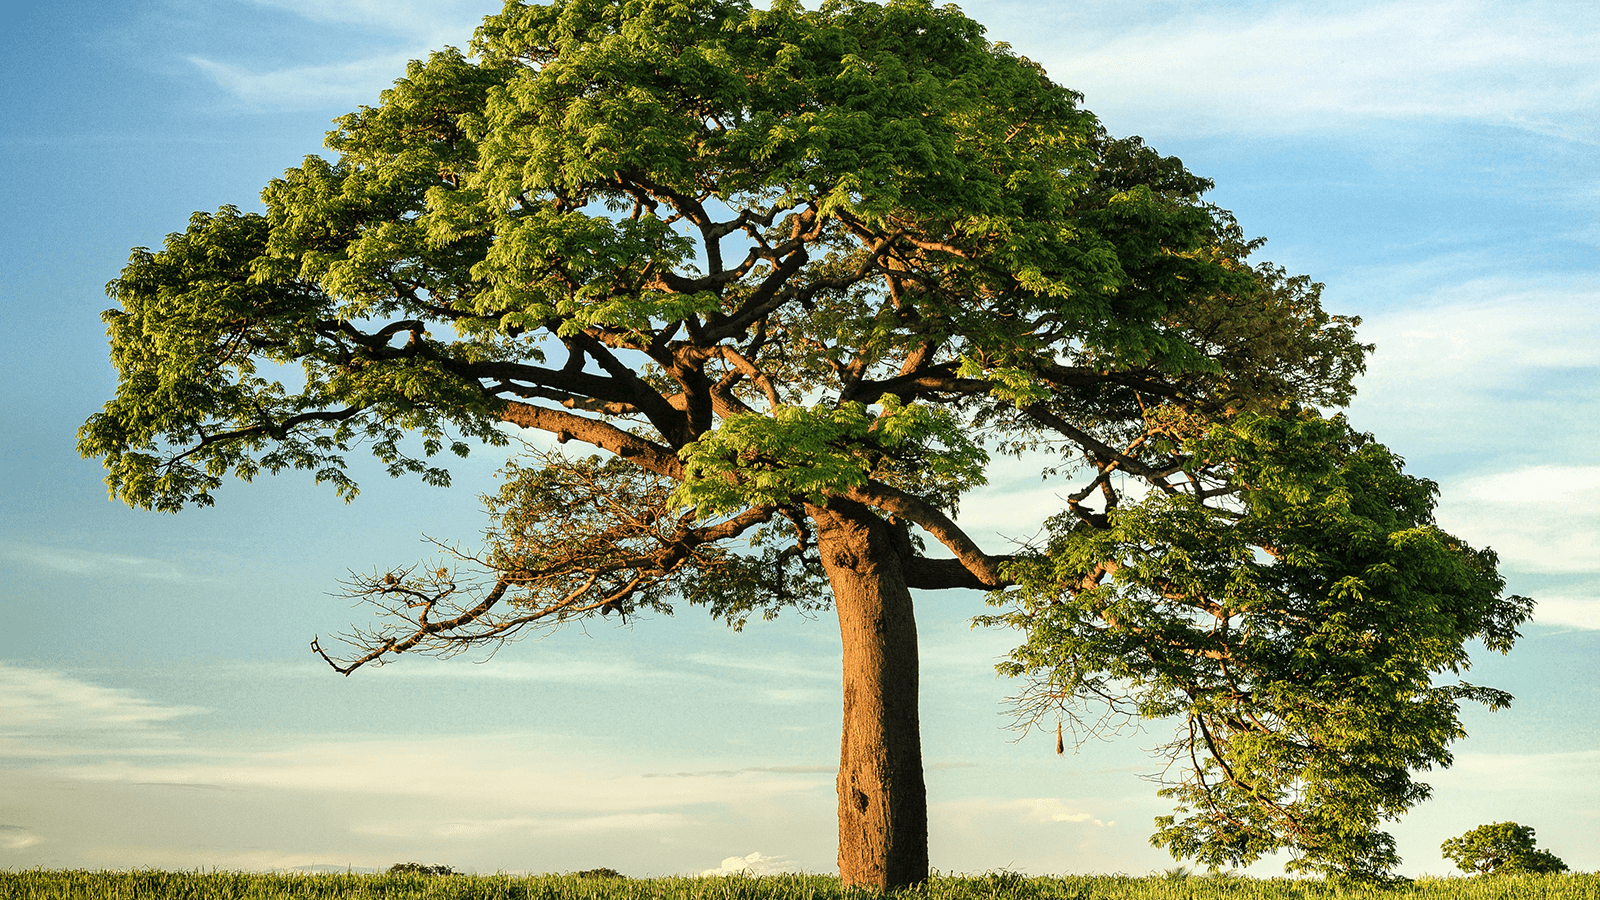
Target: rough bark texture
column 883, row 802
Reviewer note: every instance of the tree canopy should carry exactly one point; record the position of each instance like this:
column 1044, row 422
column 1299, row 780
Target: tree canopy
column 798, row 274
column 1503, row 847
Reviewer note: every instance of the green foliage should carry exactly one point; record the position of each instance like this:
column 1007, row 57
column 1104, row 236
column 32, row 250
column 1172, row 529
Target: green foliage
column 473, row 220
column 772, row 259
column 1504, row 847
column 802, row 455
column 1296, row 634
column 411, row 868
column 599, row 873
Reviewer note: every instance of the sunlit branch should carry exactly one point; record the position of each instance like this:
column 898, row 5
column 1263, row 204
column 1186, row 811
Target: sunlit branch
column 566, row 425
column 929, row 518
column 586, row 588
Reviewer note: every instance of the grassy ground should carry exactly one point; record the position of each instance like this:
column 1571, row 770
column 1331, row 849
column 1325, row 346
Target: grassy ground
column 40, row 884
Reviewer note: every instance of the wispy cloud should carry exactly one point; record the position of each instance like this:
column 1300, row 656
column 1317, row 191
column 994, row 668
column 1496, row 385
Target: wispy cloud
column 554, row 668
column 92, row 563
column 1492, row 369
column 411, row 30
column 784, row 770
column 1295, row 68
column 336, row 84
column 443, row 20
column 16, row 837
column 489, row 773
column 42, row 711
column 1489, row 331
column 1027, row 809
column 787, row 665
column 1540, row 519
column 651, row 823
column 1566, row 775
column 1238, row 69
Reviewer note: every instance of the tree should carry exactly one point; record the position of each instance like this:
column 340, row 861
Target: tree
column 1502, row 847
column 798, row 273
column 412, row 868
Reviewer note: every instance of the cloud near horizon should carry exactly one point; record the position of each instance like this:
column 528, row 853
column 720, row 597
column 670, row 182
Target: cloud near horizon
column 756, row 863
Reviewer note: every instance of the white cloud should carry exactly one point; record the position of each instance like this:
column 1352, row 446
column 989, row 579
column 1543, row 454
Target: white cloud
column 38, row 708
column 1498, row 371
column 1487, row 332
column 555, row 668
column 1539, row 519
column 1027, row 809
column 1000, row 519
column 1231, row 69
column 1294, row 68
column 16, row 837
column 1051, row 809
column 335, row 84
column 649, row 823
column 785, row 665
column 1563, row 609
column 1565, row 775
column 752, row 864
column 771, row 677
column 487, row 773
column 418, row 27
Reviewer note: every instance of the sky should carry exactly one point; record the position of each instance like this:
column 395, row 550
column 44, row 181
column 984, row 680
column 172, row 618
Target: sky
column 1436, row 165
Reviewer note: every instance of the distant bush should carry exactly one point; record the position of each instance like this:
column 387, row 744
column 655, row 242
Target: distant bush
column 1504, row 847
column 599, row 873
column 409, row 868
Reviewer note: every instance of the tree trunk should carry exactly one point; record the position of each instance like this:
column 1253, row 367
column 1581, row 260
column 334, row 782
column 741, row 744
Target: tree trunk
column 883, row 802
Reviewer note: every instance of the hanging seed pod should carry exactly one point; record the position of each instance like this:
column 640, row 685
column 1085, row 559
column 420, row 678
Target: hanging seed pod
column 1061, row 746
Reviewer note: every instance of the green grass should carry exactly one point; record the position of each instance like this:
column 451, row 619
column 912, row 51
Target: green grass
column 43, row 884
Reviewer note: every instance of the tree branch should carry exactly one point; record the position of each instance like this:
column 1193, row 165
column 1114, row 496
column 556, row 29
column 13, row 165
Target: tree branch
column 637, row 450
column 982, row 566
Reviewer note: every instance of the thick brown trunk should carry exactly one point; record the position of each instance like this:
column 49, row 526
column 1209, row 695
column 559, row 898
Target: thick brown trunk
column 883, row 803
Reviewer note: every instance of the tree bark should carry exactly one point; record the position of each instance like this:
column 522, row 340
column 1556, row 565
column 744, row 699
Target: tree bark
column 883, row 801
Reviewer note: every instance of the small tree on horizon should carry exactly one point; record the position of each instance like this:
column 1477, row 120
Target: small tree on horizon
column 1502, row 848
column 413, row 868
column 797, row 274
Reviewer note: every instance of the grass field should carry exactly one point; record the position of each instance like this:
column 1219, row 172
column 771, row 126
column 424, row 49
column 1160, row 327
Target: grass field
column 42, row 884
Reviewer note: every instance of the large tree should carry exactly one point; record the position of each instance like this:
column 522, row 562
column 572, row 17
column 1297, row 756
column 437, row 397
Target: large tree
column 797, row 273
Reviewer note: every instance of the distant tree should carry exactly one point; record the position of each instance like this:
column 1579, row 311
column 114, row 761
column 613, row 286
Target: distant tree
column 798, row 273
column 411, row 868
column 1504, row 847
column 603, row 872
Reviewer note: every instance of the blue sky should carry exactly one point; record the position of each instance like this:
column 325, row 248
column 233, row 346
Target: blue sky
column 1437, row 165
